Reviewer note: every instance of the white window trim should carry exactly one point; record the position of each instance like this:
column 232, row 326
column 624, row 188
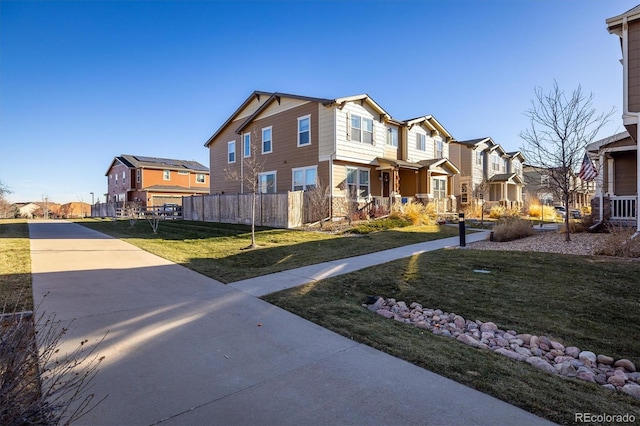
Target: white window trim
column 303, row 170
column 229, row 144
column 166, row 175
column 204, row 177
column 308, row 116
column 418, row 145
column 246, row 153
column 361, row 130
column 436, row 153
column 275, row 180
column 390, row 139
column 357, row 169
column 270, row 128
column 441, row 179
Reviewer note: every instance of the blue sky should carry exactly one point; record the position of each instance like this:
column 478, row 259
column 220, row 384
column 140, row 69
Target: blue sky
column 84, row 81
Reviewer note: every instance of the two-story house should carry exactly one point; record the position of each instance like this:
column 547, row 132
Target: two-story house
column 540, row 185
column 351, row 145
column 488, row 174
column 616, row 158
column 152, row 182
column 616, row 190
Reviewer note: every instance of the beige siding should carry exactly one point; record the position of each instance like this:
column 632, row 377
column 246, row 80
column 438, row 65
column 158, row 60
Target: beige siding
column 353, row 150
column 326, row 131
column 414, row 154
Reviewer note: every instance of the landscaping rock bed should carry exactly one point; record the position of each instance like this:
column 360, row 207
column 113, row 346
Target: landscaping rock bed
column 539, row 351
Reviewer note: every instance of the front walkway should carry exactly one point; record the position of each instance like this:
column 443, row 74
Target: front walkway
column 184, row 349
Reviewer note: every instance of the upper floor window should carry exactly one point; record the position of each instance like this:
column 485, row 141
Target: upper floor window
column 504, row 165
column 231, row 152
column 267, row 146
column 166, row 175
column 267, row 182
column 517, row 167
column 246, row 145
column 304, row 178
column 304, row 130
column 495, row 163
column 138, row 175
column 124, row 178
column 421, row 142
column 544, row 180
column 357, row 182
column 361, row 129
column 392, row 136
column 438, row 149
column 479, row 158
column 200, row 177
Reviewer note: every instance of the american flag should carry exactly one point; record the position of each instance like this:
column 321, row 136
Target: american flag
column 588, row 171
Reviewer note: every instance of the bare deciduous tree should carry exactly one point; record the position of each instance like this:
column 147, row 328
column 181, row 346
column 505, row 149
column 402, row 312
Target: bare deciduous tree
column 561, row 127
column 319, row 199
column 249, row 174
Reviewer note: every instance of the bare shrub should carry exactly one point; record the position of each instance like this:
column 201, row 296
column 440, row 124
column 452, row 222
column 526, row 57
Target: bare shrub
column 38, row 384
column 620, row 243
column 512, row 229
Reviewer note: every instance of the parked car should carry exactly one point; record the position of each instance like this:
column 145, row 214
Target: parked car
column 170, row 210
column 573, row 213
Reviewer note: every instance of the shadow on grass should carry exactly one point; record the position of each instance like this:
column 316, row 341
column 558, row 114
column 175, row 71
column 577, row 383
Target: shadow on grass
column 276, row 258
column 580, row 301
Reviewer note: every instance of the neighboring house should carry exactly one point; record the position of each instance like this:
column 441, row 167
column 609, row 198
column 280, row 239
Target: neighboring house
column 351, row 145
column 540, row 186
column 619, row 165
column 154, row 181
column 75, row 209
column 487, row 173
column 44, row 209
column 616, row 191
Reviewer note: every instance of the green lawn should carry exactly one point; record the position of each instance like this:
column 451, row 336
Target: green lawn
column 15, row 266
column 590, row 303
column 218, row 250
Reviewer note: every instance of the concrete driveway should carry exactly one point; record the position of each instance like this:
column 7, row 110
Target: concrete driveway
column 184, row 349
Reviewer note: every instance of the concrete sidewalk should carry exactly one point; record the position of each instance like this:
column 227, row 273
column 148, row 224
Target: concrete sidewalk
column 266, row 284
column 183, row 349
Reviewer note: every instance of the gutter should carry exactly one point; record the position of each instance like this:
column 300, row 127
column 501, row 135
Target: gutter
column 626, row 112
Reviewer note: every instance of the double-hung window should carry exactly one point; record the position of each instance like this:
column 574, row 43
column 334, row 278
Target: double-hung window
column 200, row 177
column 138, row 176
column 166, row 175
column 479, row 158
column 392, row 136
column 439, row 188
column 304, row 130
column 304, row 178
column 438, row 149
column 246, row 144
column 267, row 145
column 495, row 163
column 124, row 178
column 504, row 165
column 231, row 152
column 267, row 182
column 361, row 129
column 357, row 182
column 421, row 142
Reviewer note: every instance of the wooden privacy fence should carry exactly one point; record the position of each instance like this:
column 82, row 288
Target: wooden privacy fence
column 285, row 210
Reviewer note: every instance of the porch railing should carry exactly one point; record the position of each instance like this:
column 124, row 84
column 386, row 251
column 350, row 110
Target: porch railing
column 624, row 208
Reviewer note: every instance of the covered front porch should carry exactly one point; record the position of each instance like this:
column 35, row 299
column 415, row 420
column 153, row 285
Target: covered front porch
column 505, row 190
column 427, row 181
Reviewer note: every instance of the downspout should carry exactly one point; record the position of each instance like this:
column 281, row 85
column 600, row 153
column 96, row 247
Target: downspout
column 625, row 103
column 331, row 159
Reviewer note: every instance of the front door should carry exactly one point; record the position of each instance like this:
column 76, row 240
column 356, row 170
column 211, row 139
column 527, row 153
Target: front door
column 385, row 184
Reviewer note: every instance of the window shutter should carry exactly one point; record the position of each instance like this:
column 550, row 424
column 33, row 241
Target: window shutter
column 348, row 126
